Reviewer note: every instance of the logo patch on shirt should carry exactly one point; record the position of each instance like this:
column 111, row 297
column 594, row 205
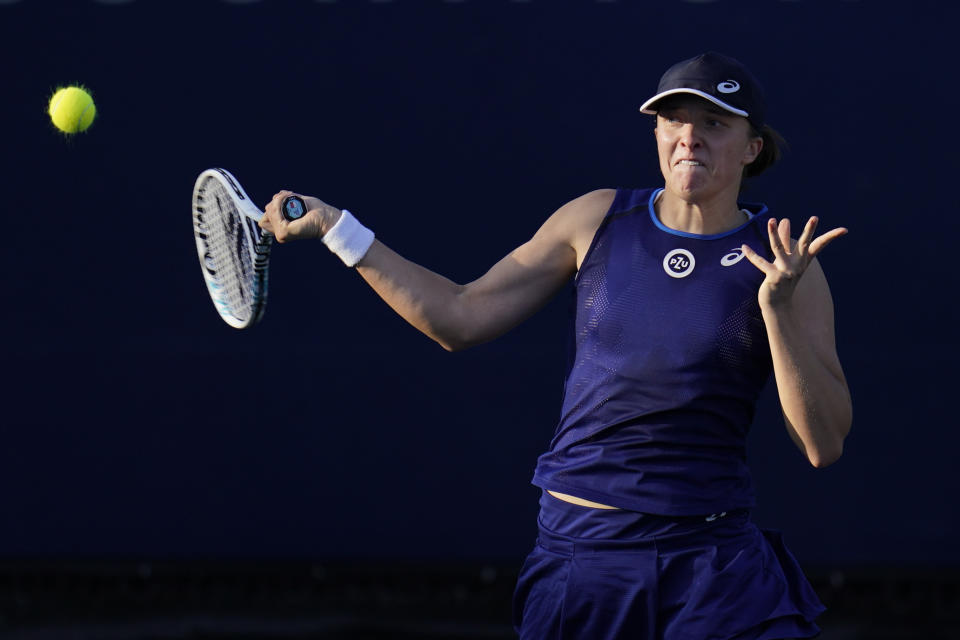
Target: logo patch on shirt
column 732, row 258
column 679, row 263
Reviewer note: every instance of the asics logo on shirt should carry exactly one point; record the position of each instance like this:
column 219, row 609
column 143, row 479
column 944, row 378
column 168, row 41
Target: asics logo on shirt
column 679, row 263
column 732, row 258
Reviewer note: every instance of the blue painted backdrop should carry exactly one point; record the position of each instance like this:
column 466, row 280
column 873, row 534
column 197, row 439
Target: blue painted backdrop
column 453, row 129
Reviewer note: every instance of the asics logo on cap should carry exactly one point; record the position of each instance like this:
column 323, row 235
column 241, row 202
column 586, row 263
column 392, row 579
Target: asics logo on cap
column 728, row 86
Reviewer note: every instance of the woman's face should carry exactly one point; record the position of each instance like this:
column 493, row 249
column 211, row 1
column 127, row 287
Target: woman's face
column 703, row 148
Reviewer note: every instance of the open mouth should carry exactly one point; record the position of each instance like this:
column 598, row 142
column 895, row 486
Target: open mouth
column 690, row 163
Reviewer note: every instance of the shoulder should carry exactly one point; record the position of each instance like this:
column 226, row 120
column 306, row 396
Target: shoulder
column 596, row 202
column 577, row 221
column 586, row 212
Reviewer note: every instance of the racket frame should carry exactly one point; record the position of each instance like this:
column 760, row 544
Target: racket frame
column 258, row 242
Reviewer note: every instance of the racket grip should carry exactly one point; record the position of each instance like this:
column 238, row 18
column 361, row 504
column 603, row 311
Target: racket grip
column 293, row 208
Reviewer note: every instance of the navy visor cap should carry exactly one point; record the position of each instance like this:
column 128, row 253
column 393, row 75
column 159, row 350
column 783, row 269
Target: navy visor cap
column 715, row 77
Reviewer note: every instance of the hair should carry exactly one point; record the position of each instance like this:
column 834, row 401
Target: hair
column 769, row 154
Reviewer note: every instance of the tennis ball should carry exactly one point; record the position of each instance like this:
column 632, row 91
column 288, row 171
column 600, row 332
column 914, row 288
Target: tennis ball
column 72, row 109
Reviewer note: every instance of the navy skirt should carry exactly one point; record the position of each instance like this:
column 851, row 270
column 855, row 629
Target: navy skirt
column 616, row 574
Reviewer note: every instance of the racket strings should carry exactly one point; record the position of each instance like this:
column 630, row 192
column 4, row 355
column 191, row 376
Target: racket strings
column 231, row 259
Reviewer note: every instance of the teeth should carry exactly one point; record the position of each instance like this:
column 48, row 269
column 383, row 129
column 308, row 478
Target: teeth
column 692, row 163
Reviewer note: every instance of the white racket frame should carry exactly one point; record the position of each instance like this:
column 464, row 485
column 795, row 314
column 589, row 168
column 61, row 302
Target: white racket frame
column 258, row 243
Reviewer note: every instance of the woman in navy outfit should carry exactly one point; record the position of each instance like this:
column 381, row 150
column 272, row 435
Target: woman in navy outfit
column 686, row 300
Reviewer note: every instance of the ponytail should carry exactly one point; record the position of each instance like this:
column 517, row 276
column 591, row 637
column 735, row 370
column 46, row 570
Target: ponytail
column 769, row 154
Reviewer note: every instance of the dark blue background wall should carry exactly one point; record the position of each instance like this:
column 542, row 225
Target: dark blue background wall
column 452, row 129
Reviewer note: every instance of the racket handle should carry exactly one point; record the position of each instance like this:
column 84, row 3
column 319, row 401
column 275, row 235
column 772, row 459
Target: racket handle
column 293, row 208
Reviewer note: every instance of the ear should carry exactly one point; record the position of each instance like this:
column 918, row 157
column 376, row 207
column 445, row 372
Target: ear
column 754, row 146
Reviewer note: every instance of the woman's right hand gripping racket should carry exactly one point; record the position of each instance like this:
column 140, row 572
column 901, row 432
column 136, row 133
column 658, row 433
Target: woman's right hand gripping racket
column 234, row 251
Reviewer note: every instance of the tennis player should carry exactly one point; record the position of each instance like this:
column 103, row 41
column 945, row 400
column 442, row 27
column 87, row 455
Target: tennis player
column 686, row 300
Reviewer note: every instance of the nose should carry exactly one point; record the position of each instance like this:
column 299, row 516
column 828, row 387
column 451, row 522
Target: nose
column 689, row 136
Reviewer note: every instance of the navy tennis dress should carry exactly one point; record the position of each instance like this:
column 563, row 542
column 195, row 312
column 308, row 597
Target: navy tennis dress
column 668, row 359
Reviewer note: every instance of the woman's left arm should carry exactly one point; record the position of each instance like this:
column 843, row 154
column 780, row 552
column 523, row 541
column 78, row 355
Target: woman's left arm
column 798, row 313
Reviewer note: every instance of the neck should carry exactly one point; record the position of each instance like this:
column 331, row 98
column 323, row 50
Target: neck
column 701, row 217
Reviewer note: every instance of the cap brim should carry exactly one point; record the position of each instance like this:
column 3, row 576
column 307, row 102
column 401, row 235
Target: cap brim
column 646, row 107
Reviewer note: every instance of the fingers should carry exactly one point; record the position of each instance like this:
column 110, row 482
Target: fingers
column 808, row 230
column 782, row 245
column 310, row 225
column 272, row 220
column 808, row 245
column 818, row 245
column 757, row 260
column 776, row 243
column 783, row 230
column 277, row 199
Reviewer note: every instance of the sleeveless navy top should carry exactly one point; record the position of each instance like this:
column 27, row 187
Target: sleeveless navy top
column 669, row 356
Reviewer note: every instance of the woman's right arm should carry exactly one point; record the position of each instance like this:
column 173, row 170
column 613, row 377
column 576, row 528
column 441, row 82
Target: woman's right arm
column 459, row 316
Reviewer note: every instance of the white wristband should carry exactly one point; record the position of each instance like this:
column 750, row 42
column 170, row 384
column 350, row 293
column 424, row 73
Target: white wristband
column 349, row 239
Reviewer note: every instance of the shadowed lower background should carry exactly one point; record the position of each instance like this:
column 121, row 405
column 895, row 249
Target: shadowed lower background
column 332, row 473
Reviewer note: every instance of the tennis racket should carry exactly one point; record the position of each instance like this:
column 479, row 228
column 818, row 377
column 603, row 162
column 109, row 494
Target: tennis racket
column 234, row 251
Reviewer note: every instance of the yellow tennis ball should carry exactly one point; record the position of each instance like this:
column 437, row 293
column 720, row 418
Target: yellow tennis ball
column 72, row 109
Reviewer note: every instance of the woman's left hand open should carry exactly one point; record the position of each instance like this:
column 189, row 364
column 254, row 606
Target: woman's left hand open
column 791, row 259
